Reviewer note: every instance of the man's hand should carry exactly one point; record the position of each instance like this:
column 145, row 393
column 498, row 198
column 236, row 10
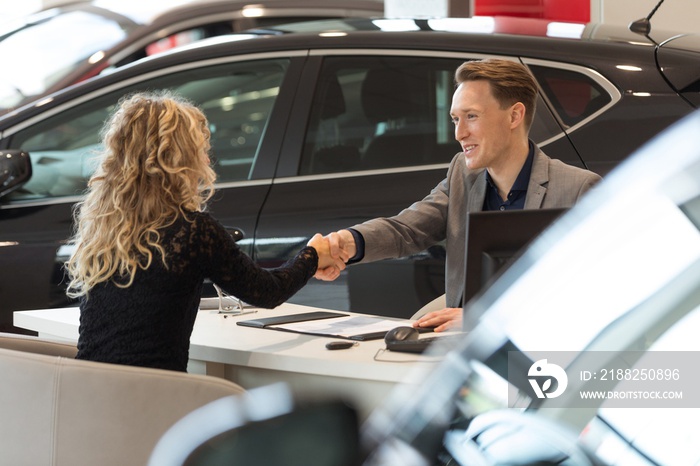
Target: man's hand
column 342, row 244
column 445, row 319
column 342, row 247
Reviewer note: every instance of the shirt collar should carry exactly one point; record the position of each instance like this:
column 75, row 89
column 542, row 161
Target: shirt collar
column 523, row 178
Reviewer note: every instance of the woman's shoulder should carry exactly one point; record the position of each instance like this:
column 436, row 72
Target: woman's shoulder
column 196, row 230
column 204, row 223
column 192, row 223
column 198, row 217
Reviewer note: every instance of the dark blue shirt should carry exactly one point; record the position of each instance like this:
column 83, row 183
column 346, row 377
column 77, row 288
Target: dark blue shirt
column 516, row 196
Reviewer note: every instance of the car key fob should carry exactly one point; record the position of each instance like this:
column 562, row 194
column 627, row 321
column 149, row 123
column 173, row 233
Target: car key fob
column 336, row 345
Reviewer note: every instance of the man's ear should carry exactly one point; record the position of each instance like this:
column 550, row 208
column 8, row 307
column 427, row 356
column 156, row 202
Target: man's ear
column 517, row 115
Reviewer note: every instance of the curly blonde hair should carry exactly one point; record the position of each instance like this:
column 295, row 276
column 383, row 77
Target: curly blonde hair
column 155, row 167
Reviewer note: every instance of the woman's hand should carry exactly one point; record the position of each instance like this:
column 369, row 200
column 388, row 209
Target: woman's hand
column 329, row 267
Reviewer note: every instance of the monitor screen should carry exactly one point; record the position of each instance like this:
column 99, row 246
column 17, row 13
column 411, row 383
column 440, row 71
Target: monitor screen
column 494, row 239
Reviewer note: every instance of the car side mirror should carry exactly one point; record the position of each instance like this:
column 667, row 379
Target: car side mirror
column 15, row 170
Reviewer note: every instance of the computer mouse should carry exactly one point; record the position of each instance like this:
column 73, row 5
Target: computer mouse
column 401, row 334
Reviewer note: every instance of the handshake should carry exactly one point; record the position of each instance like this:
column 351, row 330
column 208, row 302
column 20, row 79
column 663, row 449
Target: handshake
column 334, row 251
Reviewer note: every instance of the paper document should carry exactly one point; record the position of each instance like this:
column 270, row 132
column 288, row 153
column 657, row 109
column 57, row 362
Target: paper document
column 353, row 327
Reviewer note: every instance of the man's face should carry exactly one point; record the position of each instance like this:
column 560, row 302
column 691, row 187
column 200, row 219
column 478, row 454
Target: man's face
column 482, row 128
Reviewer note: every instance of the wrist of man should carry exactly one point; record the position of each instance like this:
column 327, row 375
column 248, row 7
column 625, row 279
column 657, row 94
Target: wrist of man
column 359, row 246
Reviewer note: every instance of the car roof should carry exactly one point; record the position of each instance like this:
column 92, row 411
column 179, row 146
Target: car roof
column 272, row 8
column 491, row 25
column 492, row 35
column 471, row 36
column 160, row 15
column 193, row 13
column 166, row 11
column 122, row 30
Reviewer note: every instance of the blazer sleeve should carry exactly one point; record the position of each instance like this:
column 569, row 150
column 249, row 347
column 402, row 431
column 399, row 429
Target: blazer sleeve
column 413, row 230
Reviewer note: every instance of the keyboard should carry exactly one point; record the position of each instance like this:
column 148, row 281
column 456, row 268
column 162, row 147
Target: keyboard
column 421, row 344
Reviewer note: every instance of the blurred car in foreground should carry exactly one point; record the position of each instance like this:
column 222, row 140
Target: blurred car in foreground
column 317, row 126
column 60, row 46
column 609, row 294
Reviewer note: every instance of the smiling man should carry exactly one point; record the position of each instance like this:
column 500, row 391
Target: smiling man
column 499, row 168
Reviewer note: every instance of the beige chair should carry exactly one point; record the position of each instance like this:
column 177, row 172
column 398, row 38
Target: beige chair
column 434, row 305
column 65, row 412
column 30, row 344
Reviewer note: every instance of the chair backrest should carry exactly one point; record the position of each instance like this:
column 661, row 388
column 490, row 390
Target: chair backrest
column 59, row 411
column 267, row 426
column 319, row 434
column 31, row 344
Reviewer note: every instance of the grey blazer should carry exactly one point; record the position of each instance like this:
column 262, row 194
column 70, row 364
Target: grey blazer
column 442, row 214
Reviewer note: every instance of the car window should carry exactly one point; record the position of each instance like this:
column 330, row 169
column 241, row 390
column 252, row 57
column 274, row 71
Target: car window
column 573, row 95
column 380, row 112
column 236, row 98
column 386, row 112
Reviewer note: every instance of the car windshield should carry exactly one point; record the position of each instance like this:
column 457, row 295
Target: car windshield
column 49, row 46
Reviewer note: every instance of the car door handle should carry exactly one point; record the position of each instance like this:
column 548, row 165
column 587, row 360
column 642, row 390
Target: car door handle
column 237, row 233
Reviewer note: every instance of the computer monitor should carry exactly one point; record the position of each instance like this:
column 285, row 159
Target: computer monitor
column 495, row 238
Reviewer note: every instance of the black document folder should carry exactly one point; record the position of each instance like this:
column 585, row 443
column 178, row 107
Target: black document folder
column 288, row 319
column 339, row 330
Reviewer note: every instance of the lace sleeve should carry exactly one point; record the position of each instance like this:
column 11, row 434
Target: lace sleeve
column 223, row 261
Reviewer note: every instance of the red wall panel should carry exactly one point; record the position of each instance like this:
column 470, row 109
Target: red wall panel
column 559, row 10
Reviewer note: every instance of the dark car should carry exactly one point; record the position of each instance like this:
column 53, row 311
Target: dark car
column 60, row 46
column 317, row 126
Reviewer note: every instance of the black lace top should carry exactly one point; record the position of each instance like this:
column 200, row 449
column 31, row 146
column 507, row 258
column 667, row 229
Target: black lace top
column 149, row 323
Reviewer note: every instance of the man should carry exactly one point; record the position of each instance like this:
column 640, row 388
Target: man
column 499, row 168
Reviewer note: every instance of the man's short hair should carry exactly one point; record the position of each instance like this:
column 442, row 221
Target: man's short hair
column 510, row 82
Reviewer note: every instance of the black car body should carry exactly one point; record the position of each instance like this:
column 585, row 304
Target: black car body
column 334, row 124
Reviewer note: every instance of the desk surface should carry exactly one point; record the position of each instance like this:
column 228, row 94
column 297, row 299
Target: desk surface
column 217, row 338
column 365, row 374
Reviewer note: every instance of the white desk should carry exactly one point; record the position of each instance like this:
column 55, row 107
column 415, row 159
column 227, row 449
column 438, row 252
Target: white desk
column 255, row 357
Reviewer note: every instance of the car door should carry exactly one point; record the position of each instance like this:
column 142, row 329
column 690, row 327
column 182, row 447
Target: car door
column 369, row 138
column 245, row 103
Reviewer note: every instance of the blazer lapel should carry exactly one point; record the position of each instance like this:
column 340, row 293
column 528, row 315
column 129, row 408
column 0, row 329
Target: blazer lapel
column 477, row 193
column 539, row 178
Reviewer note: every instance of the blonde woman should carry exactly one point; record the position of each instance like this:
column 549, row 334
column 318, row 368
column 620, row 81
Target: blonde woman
column 144, row 243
